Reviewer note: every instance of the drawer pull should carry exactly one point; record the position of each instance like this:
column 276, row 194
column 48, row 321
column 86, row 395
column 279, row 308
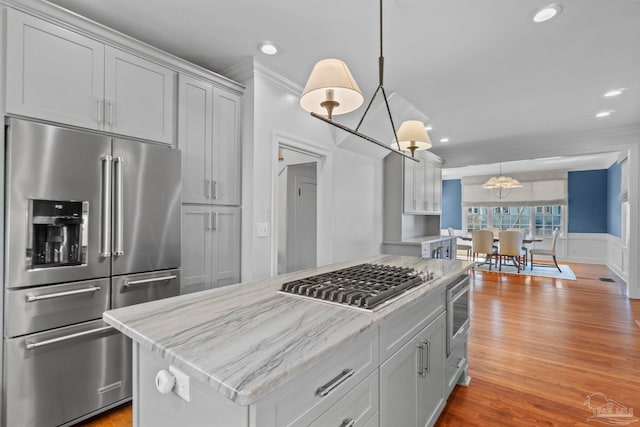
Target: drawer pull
column 335, row 382
column 461, row 362
column 32, row 298
column 348, row 422
column 145, row 281
column 424, row 349
column 34, row 345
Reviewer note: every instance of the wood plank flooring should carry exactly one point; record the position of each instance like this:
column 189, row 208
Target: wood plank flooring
column 537, row 348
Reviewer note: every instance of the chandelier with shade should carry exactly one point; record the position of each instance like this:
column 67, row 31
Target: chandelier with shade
column 501, row 185
column 331, row 90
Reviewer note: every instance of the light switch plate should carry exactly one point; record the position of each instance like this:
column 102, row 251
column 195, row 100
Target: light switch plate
column 182, row 386
column 262, row 229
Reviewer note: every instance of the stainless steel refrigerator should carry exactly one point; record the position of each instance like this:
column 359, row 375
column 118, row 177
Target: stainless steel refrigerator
column 92, row 222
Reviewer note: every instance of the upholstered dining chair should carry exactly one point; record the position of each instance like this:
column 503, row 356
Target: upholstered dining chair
column 482, row 243
column 460, row 246
column 547, row 252
column 510, row 247
column 525, row 232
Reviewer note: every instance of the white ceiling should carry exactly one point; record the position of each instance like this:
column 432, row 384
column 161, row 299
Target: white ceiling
column 481, row 70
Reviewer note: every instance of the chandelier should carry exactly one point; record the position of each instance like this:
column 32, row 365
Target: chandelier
column 331, row 90
column 501, row 185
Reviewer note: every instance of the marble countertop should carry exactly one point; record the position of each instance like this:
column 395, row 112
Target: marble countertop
column 421, row 239
column 246, row 339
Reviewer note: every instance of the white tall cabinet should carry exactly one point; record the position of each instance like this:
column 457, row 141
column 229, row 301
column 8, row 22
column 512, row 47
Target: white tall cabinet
column 63, row 69
column 209, row 138
column 422, row 185
column 62, row 76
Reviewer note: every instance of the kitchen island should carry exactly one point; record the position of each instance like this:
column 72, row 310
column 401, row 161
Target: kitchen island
column 248, row 355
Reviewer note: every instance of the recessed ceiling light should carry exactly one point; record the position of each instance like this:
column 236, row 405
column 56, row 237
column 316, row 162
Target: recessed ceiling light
column 603, row 114
column 613, row 92
column 268, row 48
column 428, row 127
column 547, row 13
column 445, row 139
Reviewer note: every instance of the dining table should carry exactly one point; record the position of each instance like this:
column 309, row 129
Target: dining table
column 526, row 240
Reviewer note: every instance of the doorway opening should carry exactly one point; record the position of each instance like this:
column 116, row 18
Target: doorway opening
column 296, row 210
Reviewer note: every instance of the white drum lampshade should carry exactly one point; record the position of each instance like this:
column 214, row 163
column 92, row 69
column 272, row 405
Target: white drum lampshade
column 412, row 136
column 331, row 89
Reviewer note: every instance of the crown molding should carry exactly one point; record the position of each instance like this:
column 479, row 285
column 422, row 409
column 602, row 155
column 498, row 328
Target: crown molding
column 250, row 67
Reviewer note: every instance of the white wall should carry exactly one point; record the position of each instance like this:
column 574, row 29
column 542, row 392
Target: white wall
column 349, row 185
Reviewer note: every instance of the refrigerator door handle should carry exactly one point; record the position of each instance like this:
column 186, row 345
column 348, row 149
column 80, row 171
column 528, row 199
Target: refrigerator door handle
column 105, row 214
column 119, row 209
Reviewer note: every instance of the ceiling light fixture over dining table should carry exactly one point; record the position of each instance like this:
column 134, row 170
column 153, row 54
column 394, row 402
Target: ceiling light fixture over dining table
column 331, row 90
column 501, row 185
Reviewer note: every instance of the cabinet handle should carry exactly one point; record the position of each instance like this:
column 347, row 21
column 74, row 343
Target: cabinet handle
column 208, row 184
column 215, row 188
column 427, row 344
column 421, row 359
column 110, row 113
column 207, row 226
column 99, row 110
column 214, row 225
column 335, row 382
column 348, row 422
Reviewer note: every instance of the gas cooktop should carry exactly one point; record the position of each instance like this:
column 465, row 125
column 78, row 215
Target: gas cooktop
column 364, row 286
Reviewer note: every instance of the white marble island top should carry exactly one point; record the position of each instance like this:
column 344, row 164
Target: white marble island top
column 246, row 339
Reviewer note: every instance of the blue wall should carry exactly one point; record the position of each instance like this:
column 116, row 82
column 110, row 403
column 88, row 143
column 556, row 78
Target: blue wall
column 588, row 201
column 451, row 204
column 594, row 206
column 614, row 207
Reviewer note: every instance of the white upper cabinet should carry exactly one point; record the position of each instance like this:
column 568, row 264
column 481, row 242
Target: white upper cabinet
column 139, row 97
column 53, row 73
column 209, row 137
column 422, row 185
column 226, row 148
column 58, row 75
column 195, row 123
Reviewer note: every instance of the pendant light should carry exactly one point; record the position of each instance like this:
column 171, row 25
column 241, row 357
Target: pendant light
column 331, row 90
column 501, row 185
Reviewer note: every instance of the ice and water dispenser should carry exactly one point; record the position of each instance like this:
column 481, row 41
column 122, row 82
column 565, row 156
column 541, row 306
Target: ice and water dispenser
column 57, row 235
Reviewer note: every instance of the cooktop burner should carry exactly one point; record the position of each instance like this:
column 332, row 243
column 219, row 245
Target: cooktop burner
column 364, row 285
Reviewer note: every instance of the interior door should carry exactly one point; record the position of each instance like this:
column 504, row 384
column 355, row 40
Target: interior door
column 56, row 164
column 146, row 207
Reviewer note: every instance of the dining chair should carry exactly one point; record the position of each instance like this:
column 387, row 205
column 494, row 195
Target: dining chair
column 525, row 232
column 460, row 246
column 482, row 243
column 510, row 247
column 547, row 252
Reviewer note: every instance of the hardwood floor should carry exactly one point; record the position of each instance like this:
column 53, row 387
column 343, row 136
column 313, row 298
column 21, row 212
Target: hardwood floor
column 537, row 348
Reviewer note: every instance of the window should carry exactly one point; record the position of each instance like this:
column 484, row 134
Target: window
column 537, row 220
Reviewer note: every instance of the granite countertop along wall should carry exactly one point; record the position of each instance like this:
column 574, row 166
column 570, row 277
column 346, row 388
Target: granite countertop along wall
column 246, row 339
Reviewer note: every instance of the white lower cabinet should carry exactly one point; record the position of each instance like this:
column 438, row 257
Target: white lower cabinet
column 412, row 380
column 210, row 247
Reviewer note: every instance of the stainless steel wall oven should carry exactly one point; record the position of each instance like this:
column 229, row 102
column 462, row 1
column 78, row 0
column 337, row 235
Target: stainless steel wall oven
column 458, row 299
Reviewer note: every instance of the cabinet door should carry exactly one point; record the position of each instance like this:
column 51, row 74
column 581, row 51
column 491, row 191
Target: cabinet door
column 196, row 248
column 420, row 186
column 399, row 384
column 139, row 97
column 195, row 120
column 437, row 186
column 226, row 246
column 412, row 380
column 429, row 195
column 431, row 388
column 409, row 186
column 226, row 148
column 53, row 73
